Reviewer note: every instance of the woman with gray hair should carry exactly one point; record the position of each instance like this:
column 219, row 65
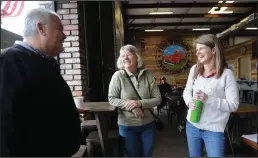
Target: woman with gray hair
column 135, row 120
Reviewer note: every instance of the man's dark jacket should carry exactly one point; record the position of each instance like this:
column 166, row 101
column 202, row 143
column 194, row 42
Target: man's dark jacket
column 38, row 113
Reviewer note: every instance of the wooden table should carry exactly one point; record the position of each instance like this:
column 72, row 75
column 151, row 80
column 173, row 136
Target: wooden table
column 242, row 109
column 99, row 109
column 246, row 108
column 250, row 143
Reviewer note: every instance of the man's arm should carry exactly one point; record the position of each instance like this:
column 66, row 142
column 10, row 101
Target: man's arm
column 10, row 85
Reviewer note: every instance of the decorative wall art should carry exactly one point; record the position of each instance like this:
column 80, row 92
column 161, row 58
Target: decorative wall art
column 172, row 56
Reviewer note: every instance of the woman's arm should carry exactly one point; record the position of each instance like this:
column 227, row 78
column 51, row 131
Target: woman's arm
column 114, row 92
column 155, row 97
column 188, row 91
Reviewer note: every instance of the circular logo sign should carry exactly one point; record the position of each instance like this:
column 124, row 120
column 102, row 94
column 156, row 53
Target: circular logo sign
column 172, row 57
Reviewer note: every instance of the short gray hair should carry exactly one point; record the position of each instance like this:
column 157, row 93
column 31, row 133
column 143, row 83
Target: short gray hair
column 131, row 49
column 33, row 16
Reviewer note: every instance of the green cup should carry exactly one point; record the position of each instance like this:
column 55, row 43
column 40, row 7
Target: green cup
column 196, row 113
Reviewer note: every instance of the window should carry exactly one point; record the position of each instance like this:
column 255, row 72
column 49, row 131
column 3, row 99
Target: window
column 14, row 13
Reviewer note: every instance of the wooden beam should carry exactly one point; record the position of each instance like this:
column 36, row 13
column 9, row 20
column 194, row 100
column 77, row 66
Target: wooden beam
column 188, row 5
column 253, row 10
column 184, row 16
column 177, row 24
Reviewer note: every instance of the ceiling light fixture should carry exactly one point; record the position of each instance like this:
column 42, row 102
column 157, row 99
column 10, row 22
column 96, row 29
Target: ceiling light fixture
column 153, row 30
column 251, row 28
column 155, row 13
column 220, row 2
column 201, row 29
column 230, row 1
column 215, row 10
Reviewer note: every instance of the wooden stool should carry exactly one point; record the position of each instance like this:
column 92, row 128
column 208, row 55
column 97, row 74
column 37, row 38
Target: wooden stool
column 93, row 140
column 87, row 126
column 80, row 152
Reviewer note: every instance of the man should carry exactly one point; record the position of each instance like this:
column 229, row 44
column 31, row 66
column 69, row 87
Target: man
column 164, row 87
column 38, row 113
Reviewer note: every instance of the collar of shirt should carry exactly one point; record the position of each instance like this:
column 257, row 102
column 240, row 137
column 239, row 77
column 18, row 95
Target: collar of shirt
column 32, row 49
column 209, row 76
column 139, row 73
column 43, row 55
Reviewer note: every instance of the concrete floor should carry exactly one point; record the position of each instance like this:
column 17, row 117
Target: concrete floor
column 170, row 142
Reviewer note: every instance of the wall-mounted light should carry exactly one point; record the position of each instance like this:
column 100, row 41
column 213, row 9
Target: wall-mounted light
column 155, row 13
column 201, row 29
column 153, row 30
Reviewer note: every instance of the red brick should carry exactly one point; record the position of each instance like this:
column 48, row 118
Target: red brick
column 74, row 22
column 65, row 55
column 70, row 16
column 77, row 88
column 74, row 44
column 71, row 27
column 68, row 77
column 63, row 11
column 76, row 55
column 71, row 72
column 66, row 66
column 66, row 44
column 76, row 66
column 72, row 60
column 75, row 32
column 77, row 77
column 70, row 5
column 77, row 93
column 74, row 11
column 72, row 38
column 66, row 22
column 67, row 33
column 72, row 49
column 74, row 83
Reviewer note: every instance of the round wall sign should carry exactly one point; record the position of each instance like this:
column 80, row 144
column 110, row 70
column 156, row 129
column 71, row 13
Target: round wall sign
column 172, row 57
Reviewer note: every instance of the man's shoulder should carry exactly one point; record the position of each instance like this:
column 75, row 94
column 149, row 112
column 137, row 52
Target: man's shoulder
column 12, row 52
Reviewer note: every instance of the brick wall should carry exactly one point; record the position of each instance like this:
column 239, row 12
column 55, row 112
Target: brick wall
column 72, row 60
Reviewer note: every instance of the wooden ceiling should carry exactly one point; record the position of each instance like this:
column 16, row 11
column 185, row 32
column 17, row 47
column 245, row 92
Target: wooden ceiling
column 187, row 14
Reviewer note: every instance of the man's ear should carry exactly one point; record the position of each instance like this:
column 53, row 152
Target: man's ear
column 41, row 28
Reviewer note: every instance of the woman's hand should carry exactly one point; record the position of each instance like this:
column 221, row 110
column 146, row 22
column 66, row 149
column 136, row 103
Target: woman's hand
column 192, row 105
column 82, row 111
column 138, row 112
column 132, row 104
column 199, row 95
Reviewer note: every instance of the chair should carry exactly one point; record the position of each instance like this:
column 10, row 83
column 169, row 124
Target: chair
column 176, row 104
